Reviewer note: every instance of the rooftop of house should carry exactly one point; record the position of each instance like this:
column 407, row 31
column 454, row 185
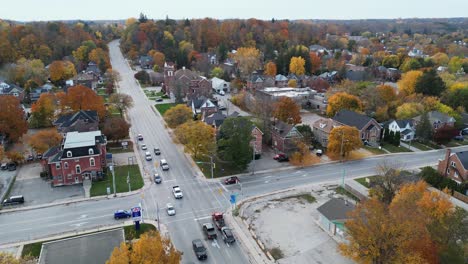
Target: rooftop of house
column 282, row 128
column 336, row 209
column 67, row 120
column 324, row 124
column 351, row 118
column 463, row 157
column 435, row 116
column 81, row 139
column 215, row 119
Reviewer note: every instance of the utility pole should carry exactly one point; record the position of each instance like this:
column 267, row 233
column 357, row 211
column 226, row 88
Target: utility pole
column 212, row 167
column 111, row 167
column 342, row 143
column 157, row 216
column 253, row 159
column 128, row 181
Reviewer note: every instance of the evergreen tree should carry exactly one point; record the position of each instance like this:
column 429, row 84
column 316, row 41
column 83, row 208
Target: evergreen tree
column 386, row 135
column 234, row 143
column 391, row 137
column 424, row 129
column 430, row 84
column 396, row 140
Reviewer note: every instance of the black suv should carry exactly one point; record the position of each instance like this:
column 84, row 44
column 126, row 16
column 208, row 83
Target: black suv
column 157, row 151
column 12, row 166
column 228, row 237
column 199, row 249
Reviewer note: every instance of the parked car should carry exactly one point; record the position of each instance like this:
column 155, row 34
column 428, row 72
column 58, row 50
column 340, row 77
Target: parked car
column 164, row 165
column 280, row 157
column 140, row 137
column 228, row 237
column 17, row 199
column 157, row 178
column 39, row 156
column 199, row 249
column 4, row 166
column 11, row 166
column 464, row 131
column 319, row 152
column 157, row 151
column 30, row 158
column 119, row 214
column 170, row 209
column 159, row 99
column 222, row 93
column 231, row 180
column 143, row 147
column 459, row 138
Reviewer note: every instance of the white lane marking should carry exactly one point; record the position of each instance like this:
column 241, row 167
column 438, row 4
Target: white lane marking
column 267, row 181
column 79, row 224
column 224, row 187
column 200, row 218
column 268, row 176
column 82, row 216
column 170, row 180
column 214, row 243
column 304, row 175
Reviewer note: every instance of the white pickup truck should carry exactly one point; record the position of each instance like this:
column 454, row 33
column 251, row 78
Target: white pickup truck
column 177, row 192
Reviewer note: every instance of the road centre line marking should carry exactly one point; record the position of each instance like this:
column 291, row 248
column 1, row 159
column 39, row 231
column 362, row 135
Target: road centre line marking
column 200, row 218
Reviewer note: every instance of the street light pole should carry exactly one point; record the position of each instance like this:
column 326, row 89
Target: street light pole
column 111, row 167
column 212, row 167
column 253, row 159
column 342, row 143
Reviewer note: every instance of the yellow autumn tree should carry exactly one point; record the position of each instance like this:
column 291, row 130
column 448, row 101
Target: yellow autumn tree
column 341, row 101
column 178, row 115
column 409, row 110
column 45, row 139
column 287, row 110
column 342, row 140
column 302, row 156
column 408, row 81
column 270, row 68
column 197, row 137
column 292, row 83
column 248, row 59
column 61, row 70
column 297, row 65
column 150, row 248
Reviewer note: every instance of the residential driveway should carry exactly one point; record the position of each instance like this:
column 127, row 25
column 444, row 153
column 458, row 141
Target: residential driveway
column 37, row 191
column 5, row 178
column 225, row 100
column 266, row 162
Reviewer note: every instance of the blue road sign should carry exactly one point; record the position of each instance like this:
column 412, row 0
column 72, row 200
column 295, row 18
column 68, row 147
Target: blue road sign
column 136, row 213
column 233, row 199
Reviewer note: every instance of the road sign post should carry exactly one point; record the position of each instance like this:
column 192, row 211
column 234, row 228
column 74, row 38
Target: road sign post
column 136, row 215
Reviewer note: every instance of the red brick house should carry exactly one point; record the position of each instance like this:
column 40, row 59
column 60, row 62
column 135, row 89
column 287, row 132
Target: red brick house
column 369, row 129
column 82, row 156
column 283, row 136
column 454, row 166
column 191, row 85
column 256, row 142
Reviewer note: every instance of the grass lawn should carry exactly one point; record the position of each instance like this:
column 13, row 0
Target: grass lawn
column 395, row 149
column 420, row 146
column 432, row 145
column 375, row 151
column 34, row 249
column 162, row 108
column 453, row 144
column 363, row 182
column 342, row 191
column 131, row 233
column 221, row 169
column 115, row 147
column 121, row 172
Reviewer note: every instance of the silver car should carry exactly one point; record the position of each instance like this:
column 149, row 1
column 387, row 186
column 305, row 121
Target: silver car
column 170, row 209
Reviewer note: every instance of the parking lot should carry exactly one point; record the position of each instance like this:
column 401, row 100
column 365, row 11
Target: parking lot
column 37, row 191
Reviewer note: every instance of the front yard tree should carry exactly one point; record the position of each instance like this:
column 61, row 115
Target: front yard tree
column 287, row 110
column 424, row 130
column 80, row 97
column 197, row 137
column 178, row 115
column 248, row 59
column 15, row 156
column 306, row 132
column 217, row 72
column 45, row 139
column 61, row 71
column 387, row 182
column 341, row 101
column 407, row 83
column 343, row 140
column 302, row 157
column 121, row 102
column 12, row 122
column 143, row 77
column 234, row 142
column 297, row 65
column 270, row 69
column 444, row 134
column 43, row 111
column 115, row 128
column 150, row 248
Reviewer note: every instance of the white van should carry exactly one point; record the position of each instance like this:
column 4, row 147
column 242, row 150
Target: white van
column 148, row 155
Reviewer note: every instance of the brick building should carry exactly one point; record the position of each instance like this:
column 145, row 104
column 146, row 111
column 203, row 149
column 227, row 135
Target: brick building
column 81, row 156
column 454, row 166
column 284, row 136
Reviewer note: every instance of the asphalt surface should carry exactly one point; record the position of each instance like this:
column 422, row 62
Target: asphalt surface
column 201, row 197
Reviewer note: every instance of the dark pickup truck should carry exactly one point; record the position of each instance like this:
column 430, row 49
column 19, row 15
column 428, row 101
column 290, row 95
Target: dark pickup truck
column 210, row 231
column 218, row 220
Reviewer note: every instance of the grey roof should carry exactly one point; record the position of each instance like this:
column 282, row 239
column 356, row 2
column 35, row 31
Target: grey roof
column 351, row 118
column 67, row 120
column 79, row 152
column 463, row 157
column 282, row 128
column 464, row 119
column 234, row 114
column 336, row 209
column 215, row 119
column 406, row 131
column 280, row 78
column 404, row 122
column 435, row 116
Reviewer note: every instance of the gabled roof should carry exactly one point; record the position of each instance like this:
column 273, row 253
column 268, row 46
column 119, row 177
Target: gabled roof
column 280, row 78
column 67, row 120
column 463, row 157
column 324, row 124
column 436, row 116
column 336, row 209
column 283, row 129
column 215, row 119
column 404, row 122
column 351, row 118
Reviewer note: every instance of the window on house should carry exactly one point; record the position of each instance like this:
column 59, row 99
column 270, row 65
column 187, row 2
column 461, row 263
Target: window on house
column 456, row 175
column 92, row 163
column 59, row 177
column 57, row 166
column 78, row 169
column 65, row 165
column 69, row 154
column 448, row 171
column 453, row 164
column 91, row 151
column 69, row 176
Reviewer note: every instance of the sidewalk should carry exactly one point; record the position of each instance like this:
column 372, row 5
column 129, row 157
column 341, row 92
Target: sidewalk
column 358, row 187
column 412, row 148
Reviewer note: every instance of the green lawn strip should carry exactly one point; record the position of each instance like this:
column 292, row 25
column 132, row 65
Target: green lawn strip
column 363, row 182
column 395, row 149
column 131, row 233
column 420, row 146
column 453, row 144
column 375, row 151
column 221, row 169
column 121, row 172
column 432, row 145
column 342, row 191
column 162, row 108
column 34, row 249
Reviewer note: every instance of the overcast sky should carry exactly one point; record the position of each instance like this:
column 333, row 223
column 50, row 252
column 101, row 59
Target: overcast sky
column 33, row 10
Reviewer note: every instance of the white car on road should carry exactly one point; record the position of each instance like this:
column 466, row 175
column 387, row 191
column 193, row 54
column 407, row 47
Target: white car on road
column 170, row 209
column 143, row 147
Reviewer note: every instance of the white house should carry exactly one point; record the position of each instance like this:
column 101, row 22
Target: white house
column 220, row 85
column 405, row 127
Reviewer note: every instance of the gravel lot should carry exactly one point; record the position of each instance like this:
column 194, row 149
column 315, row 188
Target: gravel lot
column 290, row 225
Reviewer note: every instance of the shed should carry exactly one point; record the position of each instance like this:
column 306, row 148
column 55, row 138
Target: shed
column 333, row 214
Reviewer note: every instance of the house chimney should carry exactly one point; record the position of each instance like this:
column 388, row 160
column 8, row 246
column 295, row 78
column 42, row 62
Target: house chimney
column 446, row 160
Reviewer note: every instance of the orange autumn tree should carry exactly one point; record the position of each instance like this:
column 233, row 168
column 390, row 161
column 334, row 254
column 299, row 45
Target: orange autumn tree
column 419, row 226
column 302, row 157
column 287, row 111
column 61, row 71
column 297, row 65
column 45, row 139
column 12, row 122
column 43, row 111
column 341, row 101
column 83, row 98
column 343, row 140
column 150, row 248
column 270, row 69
